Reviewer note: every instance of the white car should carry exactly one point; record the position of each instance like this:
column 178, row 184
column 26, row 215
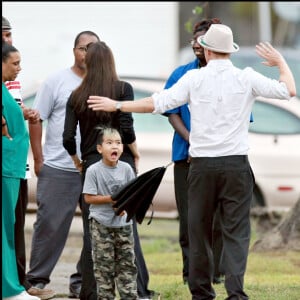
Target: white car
column 274, row 136
column 275, row 152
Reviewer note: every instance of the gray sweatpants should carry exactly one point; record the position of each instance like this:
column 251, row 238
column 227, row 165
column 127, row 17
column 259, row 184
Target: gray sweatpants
column 58, row 194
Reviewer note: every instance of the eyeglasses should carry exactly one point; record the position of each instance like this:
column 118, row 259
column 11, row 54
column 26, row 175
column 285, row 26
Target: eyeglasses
column 195, row 41
column 82, row 48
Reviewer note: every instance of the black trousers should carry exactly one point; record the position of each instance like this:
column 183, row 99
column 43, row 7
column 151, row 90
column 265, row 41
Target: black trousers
column 20, row 213
column 88, row 286
column 226, row 181
column 181, row 170
column 217, row 245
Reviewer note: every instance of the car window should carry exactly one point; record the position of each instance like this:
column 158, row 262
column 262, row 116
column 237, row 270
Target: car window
column 149, row 122
column 254, row 62
column 250, row 59
column 271, row 119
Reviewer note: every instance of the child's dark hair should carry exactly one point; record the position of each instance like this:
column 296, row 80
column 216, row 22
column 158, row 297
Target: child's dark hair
column 105, row 131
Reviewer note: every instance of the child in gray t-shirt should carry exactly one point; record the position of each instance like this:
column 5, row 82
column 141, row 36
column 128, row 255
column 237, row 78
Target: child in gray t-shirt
column 112, row 236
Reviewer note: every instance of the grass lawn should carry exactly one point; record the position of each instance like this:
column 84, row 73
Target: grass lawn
column 269, row 275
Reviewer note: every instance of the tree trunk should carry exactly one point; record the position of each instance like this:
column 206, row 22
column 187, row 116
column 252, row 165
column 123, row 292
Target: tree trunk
column 285, row 236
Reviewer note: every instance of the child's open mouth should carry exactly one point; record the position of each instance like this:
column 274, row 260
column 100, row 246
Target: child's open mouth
column 114, row 154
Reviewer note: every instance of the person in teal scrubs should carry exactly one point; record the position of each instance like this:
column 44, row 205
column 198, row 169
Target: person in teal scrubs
column 15, row 144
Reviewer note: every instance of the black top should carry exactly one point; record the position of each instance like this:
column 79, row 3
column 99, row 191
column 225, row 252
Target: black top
column 87, row 123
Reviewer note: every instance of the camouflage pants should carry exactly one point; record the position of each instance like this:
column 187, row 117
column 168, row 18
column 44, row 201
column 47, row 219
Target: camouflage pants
column 113, row 257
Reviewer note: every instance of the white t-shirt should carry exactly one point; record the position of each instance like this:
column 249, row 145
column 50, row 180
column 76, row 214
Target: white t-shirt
column 101, row 179
column 51, row 102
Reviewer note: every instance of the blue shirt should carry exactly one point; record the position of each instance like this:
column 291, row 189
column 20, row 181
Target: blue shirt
column 180, row 147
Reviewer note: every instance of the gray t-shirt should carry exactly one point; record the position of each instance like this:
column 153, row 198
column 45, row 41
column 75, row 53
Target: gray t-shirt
column 51, row 101
column 101, row 179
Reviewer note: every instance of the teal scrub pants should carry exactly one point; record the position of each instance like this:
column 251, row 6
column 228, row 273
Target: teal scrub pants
column 10, row 281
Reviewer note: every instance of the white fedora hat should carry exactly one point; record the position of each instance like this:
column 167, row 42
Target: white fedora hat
column 218, row 38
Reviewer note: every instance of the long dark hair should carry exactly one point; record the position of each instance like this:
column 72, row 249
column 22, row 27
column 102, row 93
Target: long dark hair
column 100, row 78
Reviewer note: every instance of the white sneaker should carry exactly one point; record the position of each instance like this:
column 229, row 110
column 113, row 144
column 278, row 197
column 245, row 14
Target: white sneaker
column 22, row 296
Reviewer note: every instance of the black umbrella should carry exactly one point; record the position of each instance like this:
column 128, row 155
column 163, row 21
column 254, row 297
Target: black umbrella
column 137, row 195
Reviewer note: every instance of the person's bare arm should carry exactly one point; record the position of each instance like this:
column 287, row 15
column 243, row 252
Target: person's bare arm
column 274, row 58
column 178, row 125
column 98, row 199
column 101, row 199
column 136, row 155
column 36, row 133
column 30, row 114
column 144, row 105
column 77, row 162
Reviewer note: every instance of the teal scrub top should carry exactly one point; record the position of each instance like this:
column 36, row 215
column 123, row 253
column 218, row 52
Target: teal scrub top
column 14, row 151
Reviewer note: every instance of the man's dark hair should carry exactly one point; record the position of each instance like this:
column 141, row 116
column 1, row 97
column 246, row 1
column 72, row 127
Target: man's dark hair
column 88, row 32
column 205, row 24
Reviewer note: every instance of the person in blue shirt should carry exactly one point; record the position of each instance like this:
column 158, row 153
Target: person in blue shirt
column 179, row 118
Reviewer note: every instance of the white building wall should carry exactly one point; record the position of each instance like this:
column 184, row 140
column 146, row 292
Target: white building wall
column 142, row 35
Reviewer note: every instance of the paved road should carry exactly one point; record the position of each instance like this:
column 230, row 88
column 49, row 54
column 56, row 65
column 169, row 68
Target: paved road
column 67, row 262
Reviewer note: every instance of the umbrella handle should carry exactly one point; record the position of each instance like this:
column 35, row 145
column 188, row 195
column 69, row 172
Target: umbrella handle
column 169, row 164
column 151, row 217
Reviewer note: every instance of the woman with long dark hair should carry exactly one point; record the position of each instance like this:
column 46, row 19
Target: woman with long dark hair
column 101, row 79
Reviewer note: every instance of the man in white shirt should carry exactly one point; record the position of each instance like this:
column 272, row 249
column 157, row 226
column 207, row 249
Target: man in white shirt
column 220, row 98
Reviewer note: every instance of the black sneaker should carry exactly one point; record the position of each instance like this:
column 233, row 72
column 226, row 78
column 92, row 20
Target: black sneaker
column 39, row 285
column 151, row 296
column 154, row 295
column 74, row 291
